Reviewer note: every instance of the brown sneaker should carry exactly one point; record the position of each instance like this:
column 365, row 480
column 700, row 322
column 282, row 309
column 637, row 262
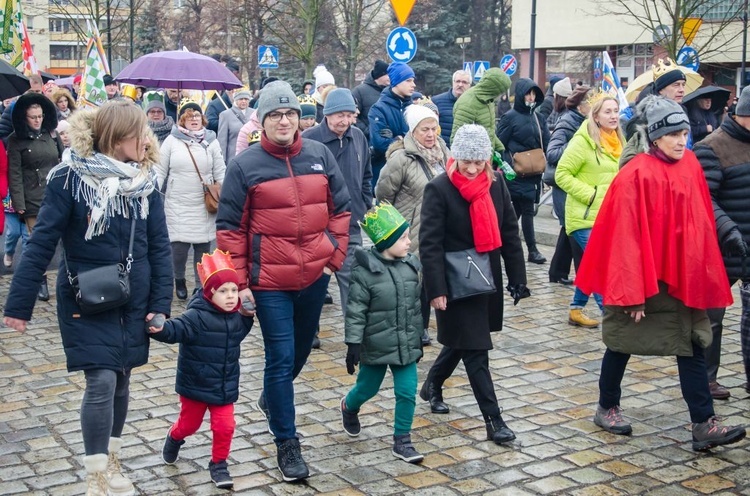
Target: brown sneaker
column 576, row 317
column 718, row 392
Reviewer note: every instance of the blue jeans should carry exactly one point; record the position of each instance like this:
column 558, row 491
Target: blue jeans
column 104, row 408
column 288, row 320
column 581, row 237
column 14, row 229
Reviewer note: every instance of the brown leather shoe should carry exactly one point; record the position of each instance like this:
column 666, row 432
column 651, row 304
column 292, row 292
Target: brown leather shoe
column 718, row 392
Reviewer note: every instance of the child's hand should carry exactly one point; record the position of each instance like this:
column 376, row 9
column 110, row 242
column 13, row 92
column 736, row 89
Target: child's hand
column 155, row 322
column 352, row 357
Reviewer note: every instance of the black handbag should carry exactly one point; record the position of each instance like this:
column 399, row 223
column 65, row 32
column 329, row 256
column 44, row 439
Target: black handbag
column 103, row 288
column 468, row 273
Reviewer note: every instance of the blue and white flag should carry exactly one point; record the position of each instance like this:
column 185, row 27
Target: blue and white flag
column 611, row 84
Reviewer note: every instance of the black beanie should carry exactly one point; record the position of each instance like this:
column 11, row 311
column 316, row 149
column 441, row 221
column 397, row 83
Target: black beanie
column 380, row 69
column 668, row 78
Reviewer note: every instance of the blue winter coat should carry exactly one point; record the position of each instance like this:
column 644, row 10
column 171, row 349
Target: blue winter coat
column 387, row 112
column 114, row 340
column 208, row 367
column 445, row 102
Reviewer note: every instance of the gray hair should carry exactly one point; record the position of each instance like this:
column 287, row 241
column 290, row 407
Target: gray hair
column 461, row 72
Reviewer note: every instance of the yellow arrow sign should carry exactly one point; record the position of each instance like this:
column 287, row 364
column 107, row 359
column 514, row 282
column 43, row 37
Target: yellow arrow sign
column 402, row 8
column 690, row 27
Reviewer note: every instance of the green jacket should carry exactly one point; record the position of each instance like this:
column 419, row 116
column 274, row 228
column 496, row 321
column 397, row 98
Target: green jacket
column 477, row 105
column 383, row 312
column 584, row 172
column 668, row 329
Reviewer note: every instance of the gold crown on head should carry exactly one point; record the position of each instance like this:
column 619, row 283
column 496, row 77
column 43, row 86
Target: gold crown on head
column 306, row 100
column 596, row 95
column 187, row 101
column 662, row 67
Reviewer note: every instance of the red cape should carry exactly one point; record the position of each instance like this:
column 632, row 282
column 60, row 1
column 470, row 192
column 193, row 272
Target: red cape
column 656, row 224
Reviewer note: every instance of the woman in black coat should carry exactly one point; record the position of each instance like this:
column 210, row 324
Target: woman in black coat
column 488, row 224
column 520, row 130
column 102, row 188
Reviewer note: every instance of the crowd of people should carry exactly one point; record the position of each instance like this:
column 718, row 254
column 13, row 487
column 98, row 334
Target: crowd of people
column 273, row 190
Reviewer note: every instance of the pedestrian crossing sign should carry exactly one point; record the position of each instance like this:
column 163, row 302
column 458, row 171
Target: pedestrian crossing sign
column 268, row 57
column 480, row 67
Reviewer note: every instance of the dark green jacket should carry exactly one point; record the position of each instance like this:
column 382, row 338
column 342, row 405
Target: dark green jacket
column 383, row 311
column 668, row 329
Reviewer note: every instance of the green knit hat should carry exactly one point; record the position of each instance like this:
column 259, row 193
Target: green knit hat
column 384, row 225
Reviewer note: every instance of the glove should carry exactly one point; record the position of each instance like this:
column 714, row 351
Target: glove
column 517, row 292
column 386, row 133
column 733, row 244
column 352, row 358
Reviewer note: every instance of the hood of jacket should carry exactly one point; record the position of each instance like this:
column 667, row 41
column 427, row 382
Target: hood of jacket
column 733, row 129
column 82, row 141
column 375, row 262
column 523, row 86
column 18, row 116
column 493, row 83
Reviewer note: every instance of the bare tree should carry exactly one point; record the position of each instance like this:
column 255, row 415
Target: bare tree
column 355, row 23
column 295, row 24
column 248, row 28
column 716, row 17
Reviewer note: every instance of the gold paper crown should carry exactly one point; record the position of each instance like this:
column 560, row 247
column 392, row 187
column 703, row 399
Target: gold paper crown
column 306, row 100
column 662, row 67
column 187, row 101
column 213, row 263
column 596, row 96
column 381, row 222
column 129, row 91
column 253, row 137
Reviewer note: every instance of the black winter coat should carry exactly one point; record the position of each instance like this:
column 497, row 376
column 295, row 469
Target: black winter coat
column 208, row 366
column 519, row 130
column 114, row 340
column 6, row 122
column 700, row 120
column 214, row 108
column 566, row 127
column 365, row 95
column 445, row 102
column 725, row 158
column 446, row 226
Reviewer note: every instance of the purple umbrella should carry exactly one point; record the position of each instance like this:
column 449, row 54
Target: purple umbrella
column 178, row 69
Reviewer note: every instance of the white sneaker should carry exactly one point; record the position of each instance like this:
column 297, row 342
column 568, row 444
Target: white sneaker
column 7, row 261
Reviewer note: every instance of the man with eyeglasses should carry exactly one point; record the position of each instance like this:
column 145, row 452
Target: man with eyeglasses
column 284, row 217
column 445, row 102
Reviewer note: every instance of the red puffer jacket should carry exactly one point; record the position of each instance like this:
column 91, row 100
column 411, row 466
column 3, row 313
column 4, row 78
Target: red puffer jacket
column 284, row 214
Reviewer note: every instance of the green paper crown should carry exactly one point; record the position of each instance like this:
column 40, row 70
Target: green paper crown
column 381, row 222
column 152, row 96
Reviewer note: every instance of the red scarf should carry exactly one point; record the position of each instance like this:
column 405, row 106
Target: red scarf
column 484, row 222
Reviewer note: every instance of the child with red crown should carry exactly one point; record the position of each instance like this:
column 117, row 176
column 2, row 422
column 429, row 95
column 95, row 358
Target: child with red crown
column 208, row 367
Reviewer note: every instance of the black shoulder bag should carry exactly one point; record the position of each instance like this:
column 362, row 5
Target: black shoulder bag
column 103, row 288
column 468, row 274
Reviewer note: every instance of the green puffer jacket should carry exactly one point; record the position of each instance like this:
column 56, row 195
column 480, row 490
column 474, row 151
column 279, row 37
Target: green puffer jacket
column 477, row 105
column 402, row 181
column 584, row 172
column 383, row 312
column 669, row 328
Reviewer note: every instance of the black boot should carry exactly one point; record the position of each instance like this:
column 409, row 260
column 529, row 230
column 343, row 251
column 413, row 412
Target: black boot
column 180, row 286
column 43, row 294
column 497, row 431
column 535, row 256
column 434, row 394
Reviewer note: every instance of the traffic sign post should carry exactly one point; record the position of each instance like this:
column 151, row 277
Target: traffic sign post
column 509, row 64
column 268, row 57
column 401, row 45
column 480, row 67
column 688, row 57
column 597, row 74
column 402, row 8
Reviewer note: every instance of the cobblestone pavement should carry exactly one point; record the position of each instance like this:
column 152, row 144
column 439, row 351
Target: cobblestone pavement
column 546, row 378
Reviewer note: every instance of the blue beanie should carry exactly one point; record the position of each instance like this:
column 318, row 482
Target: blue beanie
column 398, row 72
column 339, row 100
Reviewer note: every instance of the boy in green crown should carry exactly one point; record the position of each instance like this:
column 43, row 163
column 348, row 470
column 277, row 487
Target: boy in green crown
column 384, row 325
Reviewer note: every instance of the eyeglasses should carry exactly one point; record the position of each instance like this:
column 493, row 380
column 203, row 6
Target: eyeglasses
column 291, row 115
column 195, row 116
column 35, row 117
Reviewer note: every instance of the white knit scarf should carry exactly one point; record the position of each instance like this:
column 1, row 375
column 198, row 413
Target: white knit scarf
column 109, row 187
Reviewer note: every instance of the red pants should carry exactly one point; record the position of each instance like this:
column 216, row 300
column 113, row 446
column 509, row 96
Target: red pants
column 222, row 425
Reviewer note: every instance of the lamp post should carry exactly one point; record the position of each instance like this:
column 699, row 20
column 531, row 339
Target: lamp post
column 462, row 42
column 532, row 43
column 744, row 47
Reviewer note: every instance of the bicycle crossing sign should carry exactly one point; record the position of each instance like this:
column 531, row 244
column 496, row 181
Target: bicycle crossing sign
column 268, row 57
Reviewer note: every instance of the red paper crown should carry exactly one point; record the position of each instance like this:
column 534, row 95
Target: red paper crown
column 213, row 263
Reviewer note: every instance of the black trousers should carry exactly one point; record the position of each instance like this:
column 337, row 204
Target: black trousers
column 478, row 370
column 524, row 208
column 560, row 264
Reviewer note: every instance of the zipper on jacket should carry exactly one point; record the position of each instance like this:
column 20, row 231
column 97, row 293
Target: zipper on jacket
column 299, row 214
column 472, row 264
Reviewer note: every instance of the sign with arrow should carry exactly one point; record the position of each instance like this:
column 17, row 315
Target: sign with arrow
column 401, row 45
column 402, row 8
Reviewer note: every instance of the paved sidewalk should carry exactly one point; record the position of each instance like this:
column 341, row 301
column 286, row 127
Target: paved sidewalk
column 546, row 376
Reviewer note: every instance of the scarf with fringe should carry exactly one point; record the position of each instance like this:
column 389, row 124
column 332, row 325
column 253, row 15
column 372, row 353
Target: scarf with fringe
column 109, row 187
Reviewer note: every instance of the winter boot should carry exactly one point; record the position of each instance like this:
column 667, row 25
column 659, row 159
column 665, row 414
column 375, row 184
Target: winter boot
column 711, row 433
column 497, row 431
column 171, row 450
column 404, row 449
column 576, row 317
column 291, row 463
column 43, row 294
column 220, row 474
column 610, row 419
column 118, row 484
column 350, row 420
column 535, row 256
column 96, row 475
column 180, row 287
column 434, row 394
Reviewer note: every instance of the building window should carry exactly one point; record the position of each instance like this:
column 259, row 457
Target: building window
column 59, row 26
column 29, row 22
column 714, row 10
column 64, row 52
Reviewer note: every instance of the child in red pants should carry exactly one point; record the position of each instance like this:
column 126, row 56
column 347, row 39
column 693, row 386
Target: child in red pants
column 208, row 368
